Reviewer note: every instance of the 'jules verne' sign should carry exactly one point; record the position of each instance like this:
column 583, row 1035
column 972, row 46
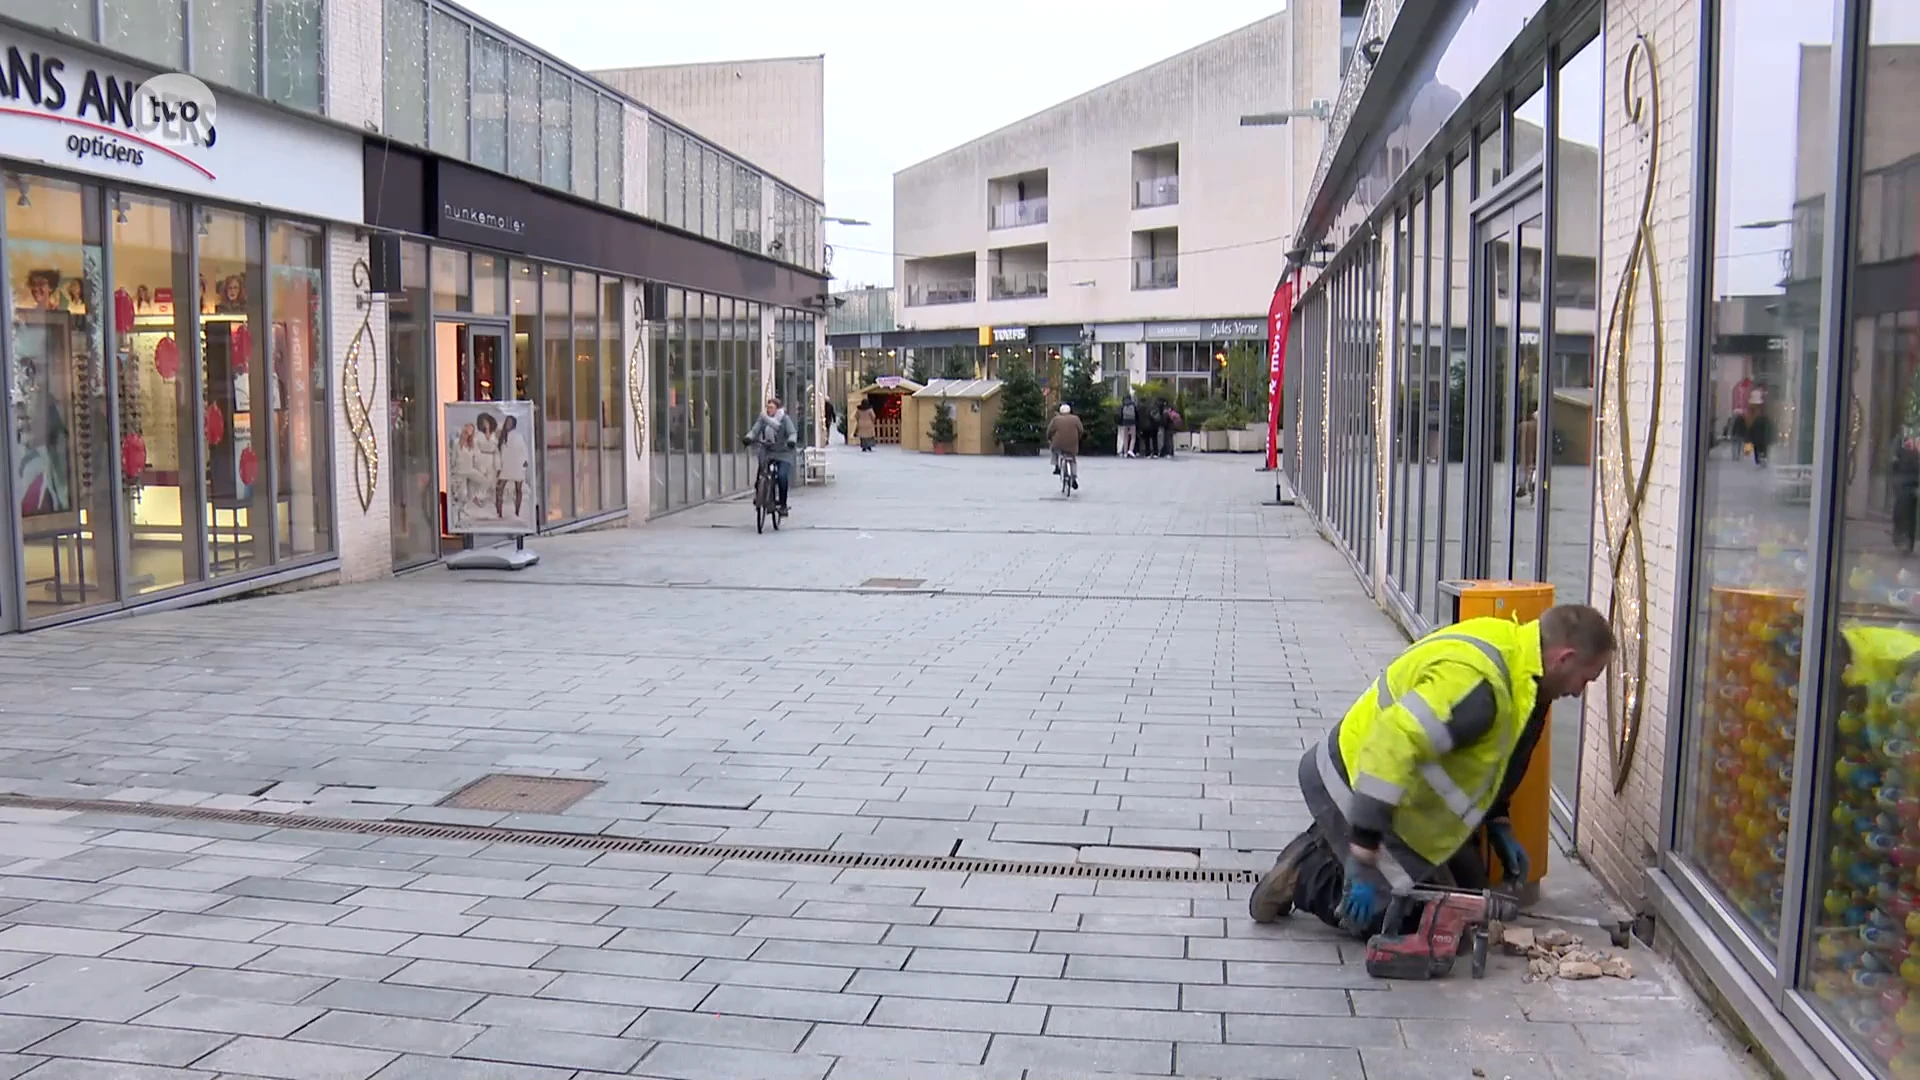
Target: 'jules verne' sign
column 103, row 117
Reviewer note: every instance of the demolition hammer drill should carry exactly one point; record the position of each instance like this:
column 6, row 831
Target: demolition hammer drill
column 1452, row 921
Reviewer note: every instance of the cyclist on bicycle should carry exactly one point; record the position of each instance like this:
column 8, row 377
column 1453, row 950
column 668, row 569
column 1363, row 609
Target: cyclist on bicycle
column 1064, row 433
column 773, row 437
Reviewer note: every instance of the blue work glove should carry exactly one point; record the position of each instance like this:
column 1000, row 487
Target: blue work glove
column 1506, row 847
column 1366, row 895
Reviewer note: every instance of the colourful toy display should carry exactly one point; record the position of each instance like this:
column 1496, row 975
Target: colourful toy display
column 1863, row 970
column 1746, row 756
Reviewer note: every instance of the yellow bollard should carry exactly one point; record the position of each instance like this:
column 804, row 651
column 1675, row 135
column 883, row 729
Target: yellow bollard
column 1529, row 809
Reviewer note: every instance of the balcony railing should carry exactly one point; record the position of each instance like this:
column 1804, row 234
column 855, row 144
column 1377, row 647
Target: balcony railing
column 1159, row 191
column 928, row 293
column 1162, row 272
column 1020, row 286
column 1013, row 215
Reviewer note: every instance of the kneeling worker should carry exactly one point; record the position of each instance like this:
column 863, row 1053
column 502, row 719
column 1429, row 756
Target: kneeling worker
column 1433, row 749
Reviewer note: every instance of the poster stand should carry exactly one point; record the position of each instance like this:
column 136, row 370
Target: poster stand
column 493, row 483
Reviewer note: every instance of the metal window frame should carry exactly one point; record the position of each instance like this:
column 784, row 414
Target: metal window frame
column 1776, row 972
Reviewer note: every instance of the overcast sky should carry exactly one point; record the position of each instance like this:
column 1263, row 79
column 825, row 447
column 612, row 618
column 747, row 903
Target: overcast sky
column 904, row 80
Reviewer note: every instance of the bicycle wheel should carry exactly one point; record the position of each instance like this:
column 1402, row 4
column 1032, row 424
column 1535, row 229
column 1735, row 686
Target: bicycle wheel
column 760, row 505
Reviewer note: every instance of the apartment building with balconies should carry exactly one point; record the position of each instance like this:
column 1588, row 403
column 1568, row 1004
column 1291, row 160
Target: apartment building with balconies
column 1136, row 220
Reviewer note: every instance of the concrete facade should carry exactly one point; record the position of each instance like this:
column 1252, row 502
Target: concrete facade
column 1135, row 201
column 771, row 112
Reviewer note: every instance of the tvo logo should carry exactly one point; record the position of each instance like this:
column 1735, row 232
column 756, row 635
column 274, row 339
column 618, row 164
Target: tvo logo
column 175, row 110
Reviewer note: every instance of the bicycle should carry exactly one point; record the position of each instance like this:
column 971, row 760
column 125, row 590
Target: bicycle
column 1069, row 475
column 766, row 497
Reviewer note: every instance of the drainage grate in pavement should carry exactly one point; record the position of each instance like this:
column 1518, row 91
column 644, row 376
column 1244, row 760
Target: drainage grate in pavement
column 893, row 583
column 520, row 794
column 636, row 845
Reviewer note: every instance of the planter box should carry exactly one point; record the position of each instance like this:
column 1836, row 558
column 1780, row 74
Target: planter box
column 1248, row 440
column 1209, row 442
column 1183, row 440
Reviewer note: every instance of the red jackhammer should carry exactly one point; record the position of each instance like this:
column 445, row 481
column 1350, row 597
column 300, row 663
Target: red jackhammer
column 1452, row 921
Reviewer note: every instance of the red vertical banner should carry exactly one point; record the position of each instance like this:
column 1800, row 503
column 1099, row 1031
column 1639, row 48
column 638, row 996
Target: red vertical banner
column 1279, row 316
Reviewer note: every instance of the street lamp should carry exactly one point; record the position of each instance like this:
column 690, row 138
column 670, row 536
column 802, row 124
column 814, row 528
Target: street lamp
column 1320, row 110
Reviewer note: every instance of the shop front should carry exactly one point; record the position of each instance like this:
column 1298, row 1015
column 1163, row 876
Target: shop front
column 1436, row 438
column 170, row 424
column 1193, row 358
column 1721, row 448
column 513, row 293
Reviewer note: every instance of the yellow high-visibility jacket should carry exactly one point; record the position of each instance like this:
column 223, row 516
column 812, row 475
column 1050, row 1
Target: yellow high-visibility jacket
column 1426, row 748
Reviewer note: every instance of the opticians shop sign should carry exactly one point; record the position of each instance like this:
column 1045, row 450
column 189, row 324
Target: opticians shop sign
column 73, row 111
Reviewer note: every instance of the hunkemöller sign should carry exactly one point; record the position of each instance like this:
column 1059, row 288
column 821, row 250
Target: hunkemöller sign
column 114, row 119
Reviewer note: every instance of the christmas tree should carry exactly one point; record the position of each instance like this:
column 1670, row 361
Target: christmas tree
column 1022, row 426
column 942, row 432
column 1090, row 404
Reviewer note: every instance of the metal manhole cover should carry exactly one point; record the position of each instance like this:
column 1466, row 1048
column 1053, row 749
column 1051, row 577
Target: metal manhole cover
column 893, row 583
column 520, row 794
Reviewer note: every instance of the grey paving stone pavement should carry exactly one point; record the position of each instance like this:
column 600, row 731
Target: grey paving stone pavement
column 1126, row 678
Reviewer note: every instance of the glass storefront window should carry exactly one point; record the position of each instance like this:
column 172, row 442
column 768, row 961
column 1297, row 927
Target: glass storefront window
column 556, row 153
column 73, row 17
column 449, row 106
column 226, row 43
column 709, row 409
column 613, row 400
column 585, row 417
column 489, row 101
column 158, row 421
column 452, row 291
column 612, row 123
column 294, row 52
column 414, row 484
column 1863, row 950
column 709, row 193
column 523, row 116
column 1752, row 573
column 586, row 175
column 657, row 412
column 676, row 180
column 297, row 372
column 656, row 171
column 233, row 391
column 727, row 403
column 526, row 329
column 153, row 30
column 489, row 285
column 63, row 450
column 406, row 78
column 676, row 384
column 1566, row 494
column 556, row 287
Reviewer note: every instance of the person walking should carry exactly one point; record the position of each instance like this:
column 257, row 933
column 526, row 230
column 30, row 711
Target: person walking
column 864, row 425
column 1759, row 423
column 833, row 416
column 1459, row 711
column 1129, row 418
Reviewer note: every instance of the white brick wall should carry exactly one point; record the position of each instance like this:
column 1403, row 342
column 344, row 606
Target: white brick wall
column 366, row 537
column 1619, row 834
column 355, row 71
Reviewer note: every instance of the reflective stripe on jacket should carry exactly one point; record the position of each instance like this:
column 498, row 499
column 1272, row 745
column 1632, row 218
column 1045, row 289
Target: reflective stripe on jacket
column 1422, row 767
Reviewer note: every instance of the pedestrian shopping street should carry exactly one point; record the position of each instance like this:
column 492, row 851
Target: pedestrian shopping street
column 937, row 657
